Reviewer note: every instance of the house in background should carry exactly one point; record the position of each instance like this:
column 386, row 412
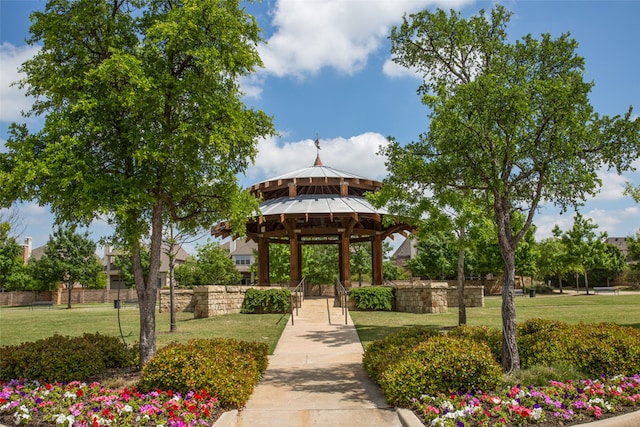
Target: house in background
column 621, row 244
column 242, row 253
column 406, row 251
column 114, row 280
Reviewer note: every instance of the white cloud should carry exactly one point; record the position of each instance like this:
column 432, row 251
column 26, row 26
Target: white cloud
column 12, row 98
column 357, row 155
column 393, row 70
column 612, row 186
column 312, row 34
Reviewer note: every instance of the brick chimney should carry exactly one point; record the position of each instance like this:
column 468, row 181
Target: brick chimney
column 26, row 250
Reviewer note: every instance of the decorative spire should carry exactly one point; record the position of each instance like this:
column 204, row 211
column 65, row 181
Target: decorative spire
column 318, row 162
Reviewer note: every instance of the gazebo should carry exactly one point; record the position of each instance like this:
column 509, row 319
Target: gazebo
column 317, row 205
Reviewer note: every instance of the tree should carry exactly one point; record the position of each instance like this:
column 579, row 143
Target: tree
column 584, row 248
column 171, row 243
column 320, row 263
column 551, row 261
column 436, row 255
column 610, row 264
column 211, row 266
column 633, row 269
column 360, row 260
column 13, row 274
column 511, row 121
column 70, row 258
column 143, row 121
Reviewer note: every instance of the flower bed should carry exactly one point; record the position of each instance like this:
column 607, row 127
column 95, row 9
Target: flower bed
column 82, row 404
column 559, row 404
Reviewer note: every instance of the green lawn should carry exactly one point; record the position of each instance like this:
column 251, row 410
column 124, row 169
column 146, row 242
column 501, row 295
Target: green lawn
column 570, row 308
column 23, row 324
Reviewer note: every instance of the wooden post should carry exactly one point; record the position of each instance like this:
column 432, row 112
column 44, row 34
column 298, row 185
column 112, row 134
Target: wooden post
column 376, row 259
column 344, row 255
column 263, row 261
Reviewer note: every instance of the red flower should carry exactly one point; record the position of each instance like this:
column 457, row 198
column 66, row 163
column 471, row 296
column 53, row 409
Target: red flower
column 80, row 393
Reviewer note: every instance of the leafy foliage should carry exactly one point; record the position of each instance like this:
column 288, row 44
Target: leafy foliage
column 143, row 122
column 226, row 368
column 385, row 352
column 266, row 301
column 13, row 274
column 509, row 121
column 211, row 266
column 374, row 298
column 63, row 359
column 69, row 258
column 440, row 364
column 123, row 262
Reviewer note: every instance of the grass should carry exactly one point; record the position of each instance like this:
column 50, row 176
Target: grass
column 23, row 324
column 569, row 308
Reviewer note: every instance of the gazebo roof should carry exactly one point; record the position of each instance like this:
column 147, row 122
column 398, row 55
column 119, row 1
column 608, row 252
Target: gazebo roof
column 324, row 204
column 318, row 172
column 316, row 200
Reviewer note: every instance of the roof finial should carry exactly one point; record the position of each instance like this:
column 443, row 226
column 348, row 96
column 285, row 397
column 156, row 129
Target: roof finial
column 318, row 162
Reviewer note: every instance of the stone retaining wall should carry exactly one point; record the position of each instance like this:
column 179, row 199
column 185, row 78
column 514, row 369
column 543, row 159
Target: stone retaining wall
column 473, row 296
column 421, row 297
column 183, row 299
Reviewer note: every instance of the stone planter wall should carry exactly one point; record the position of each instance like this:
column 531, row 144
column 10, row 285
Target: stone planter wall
column 473, row 296
column 184, row 300
column 421, row 297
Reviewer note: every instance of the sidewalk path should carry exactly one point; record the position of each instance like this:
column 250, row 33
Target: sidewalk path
column 315, row 377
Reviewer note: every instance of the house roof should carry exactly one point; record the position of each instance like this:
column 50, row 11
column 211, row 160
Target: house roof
column 240, row 247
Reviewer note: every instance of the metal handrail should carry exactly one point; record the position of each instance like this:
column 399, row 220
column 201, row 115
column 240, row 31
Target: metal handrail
column 343, row 295
column 295, row 291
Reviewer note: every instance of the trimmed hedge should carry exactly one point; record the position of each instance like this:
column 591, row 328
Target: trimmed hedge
column 441, row 364
column 389, row 350
column 418, row 361
column 372, row 298
column 226, row 368
column 260, row 301
column 63, row 359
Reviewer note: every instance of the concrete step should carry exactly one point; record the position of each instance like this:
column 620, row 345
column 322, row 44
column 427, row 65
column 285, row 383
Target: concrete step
column 318, row 418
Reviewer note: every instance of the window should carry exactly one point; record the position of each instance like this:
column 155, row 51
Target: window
column 243, row 260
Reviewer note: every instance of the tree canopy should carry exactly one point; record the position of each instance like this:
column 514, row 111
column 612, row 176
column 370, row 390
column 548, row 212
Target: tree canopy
column 143, row 121
column 511, row 122
column 211, row 266
column 69, row 258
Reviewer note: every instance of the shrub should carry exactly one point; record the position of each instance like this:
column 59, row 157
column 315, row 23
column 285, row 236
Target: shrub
column 226, row 368
column 382, row 353
column 594, row 349
column 441, row 364
column 481, row 334
column 63, row 359
column 266, row 301
column 372, row 298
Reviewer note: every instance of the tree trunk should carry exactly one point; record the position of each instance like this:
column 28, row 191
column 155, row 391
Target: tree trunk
column 510, row 356
column 147, row 289
column 462, row 308
column 586, row 281
column 560, row 282
column 69, row 294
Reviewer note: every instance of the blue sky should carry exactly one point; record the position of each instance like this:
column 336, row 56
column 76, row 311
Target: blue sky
column 328, row 73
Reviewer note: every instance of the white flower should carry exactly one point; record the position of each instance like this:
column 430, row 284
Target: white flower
column 536, row 413
column 127, row 408
column 60, row 419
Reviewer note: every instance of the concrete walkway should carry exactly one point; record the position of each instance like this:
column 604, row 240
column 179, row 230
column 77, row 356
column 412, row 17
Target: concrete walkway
column 315, row 377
